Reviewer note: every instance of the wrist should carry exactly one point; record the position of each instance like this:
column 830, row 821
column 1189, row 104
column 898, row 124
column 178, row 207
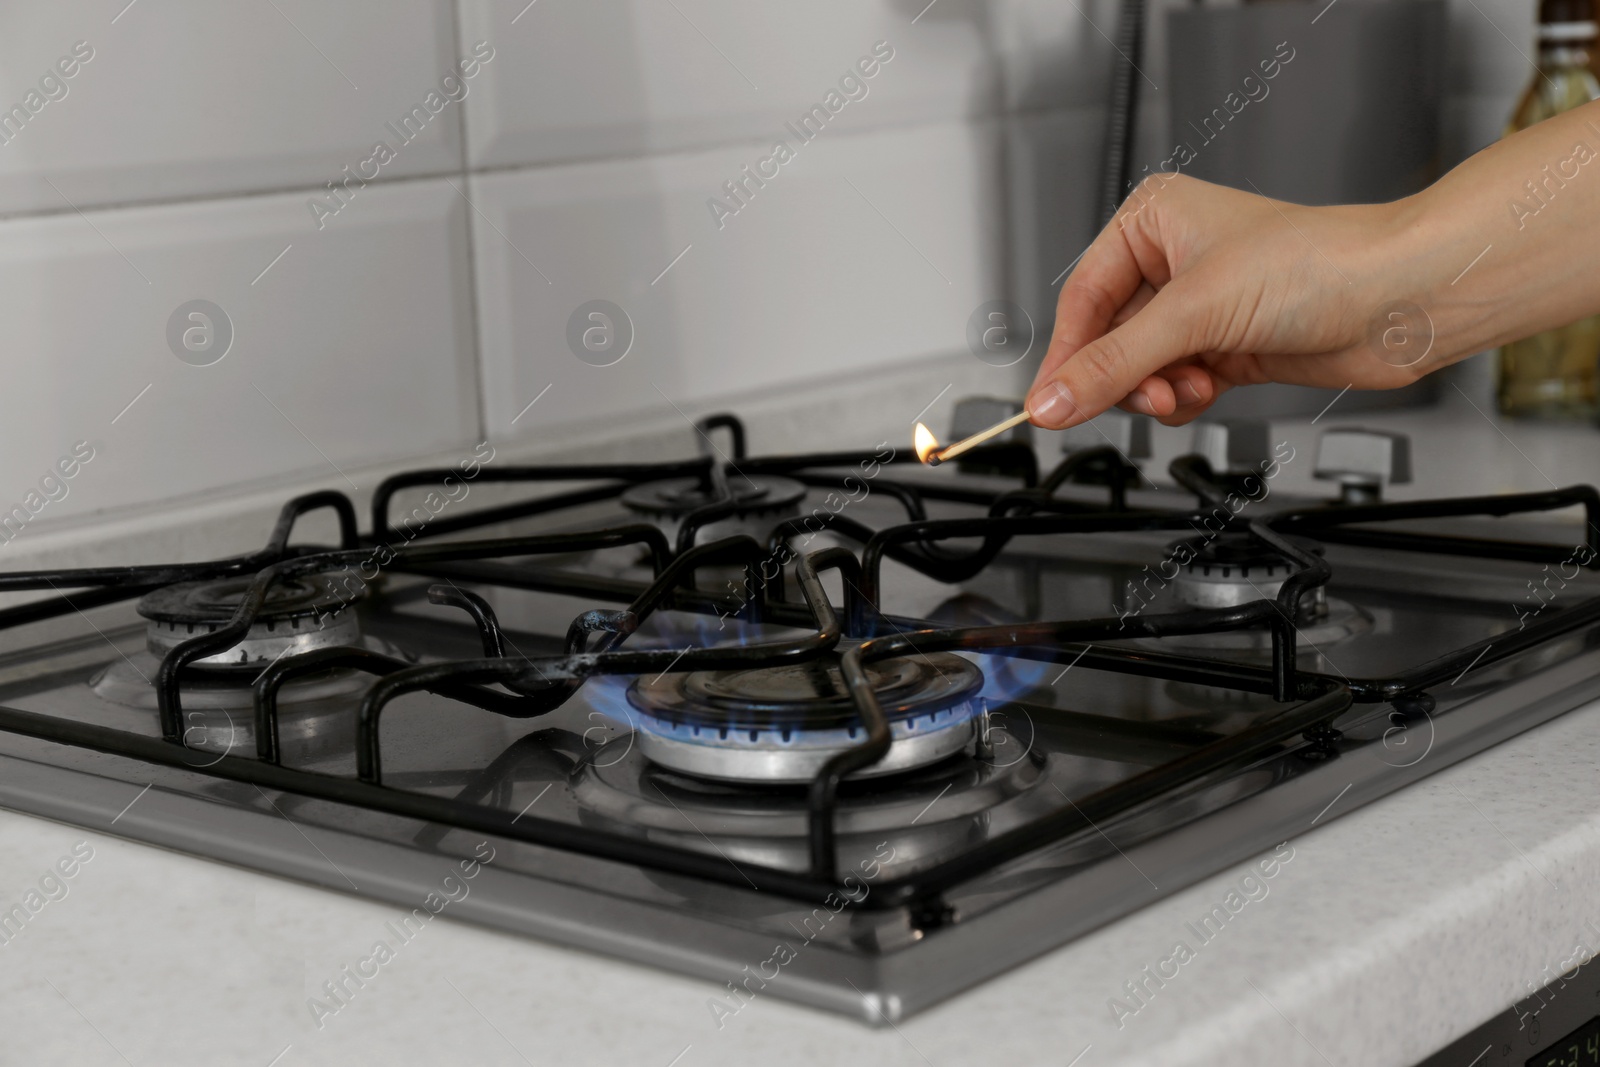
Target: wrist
column 1424, row 251
column 1504, row 245
column 1390, row 286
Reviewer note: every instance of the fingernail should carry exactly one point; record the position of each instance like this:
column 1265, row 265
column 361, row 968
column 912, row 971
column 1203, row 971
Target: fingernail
column 1142, row 402
column 1051, row 406
column 1188, row 393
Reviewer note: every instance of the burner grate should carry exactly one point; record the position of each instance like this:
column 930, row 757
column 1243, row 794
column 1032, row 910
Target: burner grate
column 598, row 642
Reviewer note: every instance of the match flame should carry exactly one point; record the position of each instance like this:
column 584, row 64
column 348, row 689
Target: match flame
column 925, row 443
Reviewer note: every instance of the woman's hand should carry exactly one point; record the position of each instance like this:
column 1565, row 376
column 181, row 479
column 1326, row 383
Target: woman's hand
column 1196, row 288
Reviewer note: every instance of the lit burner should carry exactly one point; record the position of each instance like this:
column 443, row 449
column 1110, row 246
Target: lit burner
column 781, row 724
column 299, row 615
column 761, row 499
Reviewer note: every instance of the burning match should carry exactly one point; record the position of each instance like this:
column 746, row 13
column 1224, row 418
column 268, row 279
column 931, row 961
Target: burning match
column 928, row 449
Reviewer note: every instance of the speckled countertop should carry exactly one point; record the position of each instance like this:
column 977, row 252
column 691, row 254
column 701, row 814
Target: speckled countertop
column 1393, row 930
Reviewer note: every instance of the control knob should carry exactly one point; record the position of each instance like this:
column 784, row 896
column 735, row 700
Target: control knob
column 1234, row 447
column 977, row 413
column 1128, row 434
column 1363, row 462
column 1011, row 454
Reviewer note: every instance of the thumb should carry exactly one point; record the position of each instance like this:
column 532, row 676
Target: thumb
column 1102, row 372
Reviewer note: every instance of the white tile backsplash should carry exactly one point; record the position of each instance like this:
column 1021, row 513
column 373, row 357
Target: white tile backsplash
column 193, row 97
column 410, row 322
column 355, row 345
column 632, row 77
column 863, row 251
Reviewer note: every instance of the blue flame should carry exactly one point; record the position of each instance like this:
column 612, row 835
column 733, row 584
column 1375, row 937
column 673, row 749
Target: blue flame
column 674, row 631
column 1009, row 678
column 611, row 714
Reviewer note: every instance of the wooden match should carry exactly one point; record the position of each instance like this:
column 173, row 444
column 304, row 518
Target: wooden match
column 978, row 438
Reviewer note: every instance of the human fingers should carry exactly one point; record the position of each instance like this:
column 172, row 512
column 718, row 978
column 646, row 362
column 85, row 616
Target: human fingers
column 1104, row 281
column 1106, row 370
column 1178, row 392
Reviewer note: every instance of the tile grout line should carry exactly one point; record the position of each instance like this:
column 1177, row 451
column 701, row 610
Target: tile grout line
column 469, row 238
column 1086, row 109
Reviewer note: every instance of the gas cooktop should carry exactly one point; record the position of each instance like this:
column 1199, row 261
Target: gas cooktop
column 832, row 727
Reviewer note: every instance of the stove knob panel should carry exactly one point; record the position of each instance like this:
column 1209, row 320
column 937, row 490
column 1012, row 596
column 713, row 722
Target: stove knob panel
column 1234, row 446
column 1363, row 462
column 1128, row 434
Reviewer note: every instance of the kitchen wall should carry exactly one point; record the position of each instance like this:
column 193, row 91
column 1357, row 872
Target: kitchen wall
column 270, row 242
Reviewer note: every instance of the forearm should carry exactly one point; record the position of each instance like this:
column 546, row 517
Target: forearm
column 1198, row 288
column 1508, row 243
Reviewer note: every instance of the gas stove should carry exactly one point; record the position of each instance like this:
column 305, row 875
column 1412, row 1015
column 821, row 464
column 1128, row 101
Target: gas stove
column 833, row 727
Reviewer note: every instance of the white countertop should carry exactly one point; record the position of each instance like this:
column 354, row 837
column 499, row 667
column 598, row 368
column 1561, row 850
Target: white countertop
column 1392, row 931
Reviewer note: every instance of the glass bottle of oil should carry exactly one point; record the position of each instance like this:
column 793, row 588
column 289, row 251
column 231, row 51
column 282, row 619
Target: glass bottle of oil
column 1552, row 375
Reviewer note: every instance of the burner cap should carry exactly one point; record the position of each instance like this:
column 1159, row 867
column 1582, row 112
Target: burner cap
column 762, row 500
column 676, row 497
column 299, row 615
column 1232, row 569
column 781, row 724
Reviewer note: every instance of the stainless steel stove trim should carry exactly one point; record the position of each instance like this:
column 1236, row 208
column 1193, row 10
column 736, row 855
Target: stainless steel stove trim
column 683, row 925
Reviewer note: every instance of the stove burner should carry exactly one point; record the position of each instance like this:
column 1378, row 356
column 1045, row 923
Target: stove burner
column 1233, row 569
column 619, row 787
column 299, row 615
column 779, row 725
column 761, row 500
